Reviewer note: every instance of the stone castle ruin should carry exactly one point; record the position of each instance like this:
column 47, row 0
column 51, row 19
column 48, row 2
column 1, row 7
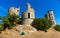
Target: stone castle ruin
column 13, row 10
column 50, row 16
column 27, row 18
column 28, row 15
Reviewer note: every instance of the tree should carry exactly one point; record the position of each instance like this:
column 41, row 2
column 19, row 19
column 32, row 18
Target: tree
column 57, row 28
column 37, row 23
column 41, row 24
column 0, row 17
column 1, row 27
column 13, row 18
column 10, row 20
column 47, row 24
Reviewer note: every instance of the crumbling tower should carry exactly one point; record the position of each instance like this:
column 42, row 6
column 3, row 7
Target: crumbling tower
column 50, row 16
column 28, row 15
column 13, row 10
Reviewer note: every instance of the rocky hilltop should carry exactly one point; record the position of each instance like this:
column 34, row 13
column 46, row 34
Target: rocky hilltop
column 15, row 33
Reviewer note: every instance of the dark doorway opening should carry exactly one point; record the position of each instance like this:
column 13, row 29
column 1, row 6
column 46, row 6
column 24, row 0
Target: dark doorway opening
column 28, row 15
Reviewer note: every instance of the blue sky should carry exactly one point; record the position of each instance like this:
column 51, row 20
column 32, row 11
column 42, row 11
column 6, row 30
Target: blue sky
column 40, row 6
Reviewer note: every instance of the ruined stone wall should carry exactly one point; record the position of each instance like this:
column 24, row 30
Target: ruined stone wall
column 50, row 16
column 13, row 10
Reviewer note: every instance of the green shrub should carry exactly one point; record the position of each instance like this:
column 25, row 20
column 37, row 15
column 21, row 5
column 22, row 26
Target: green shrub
column 1, row 27
column 10, row 20
column 41, row 24
column 23, row 33
column 46, row 30
column 0, row 18
column 57, row 28
column 47, row 24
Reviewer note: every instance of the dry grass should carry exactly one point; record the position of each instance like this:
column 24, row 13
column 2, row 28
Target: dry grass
column 38, row 34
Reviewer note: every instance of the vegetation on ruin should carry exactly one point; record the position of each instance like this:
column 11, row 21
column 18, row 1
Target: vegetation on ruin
column 41, row 24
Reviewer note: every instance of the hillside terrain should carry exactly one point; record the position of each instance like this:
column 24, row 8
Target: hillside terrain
column 13, row 33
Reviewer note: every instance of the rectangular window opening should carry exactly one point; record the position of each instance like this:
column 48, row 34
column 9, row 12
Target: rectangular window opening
column 28, row 15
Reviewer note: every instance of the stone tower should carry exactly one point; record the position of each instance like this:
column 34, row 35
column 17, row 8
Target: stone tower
column 13, row 10
column 28, row 15
column 50, row 16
